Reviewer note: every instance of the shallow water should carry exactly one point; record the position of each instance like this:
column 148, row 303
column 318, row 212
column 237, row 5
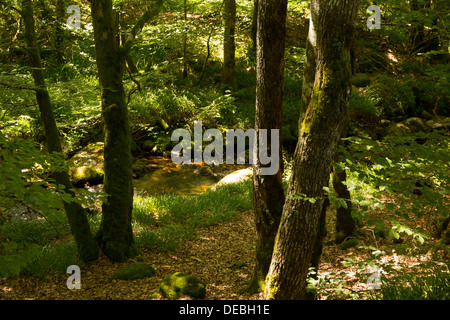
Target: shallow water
column 166, row 177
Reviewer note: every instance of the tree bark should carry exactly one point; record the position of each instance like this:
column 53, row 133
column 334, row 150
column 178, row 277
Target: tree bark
column 321, row 128
column 79, row 225
column 185, row 72
column 345, row 223
column 115, row 235
column 268, row 193
column 229, row 47
column 59, row 31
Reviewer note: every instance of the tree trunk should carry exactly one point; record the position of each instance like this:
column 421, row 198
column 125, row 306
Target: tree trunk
column 228, row 74
column 268, row 193
column 317, row 249
column 59, row 31
column 76, row 215
column 185, row 72
column 322, row 126
column 345, row 223
column 115, row 234
column 254, row 25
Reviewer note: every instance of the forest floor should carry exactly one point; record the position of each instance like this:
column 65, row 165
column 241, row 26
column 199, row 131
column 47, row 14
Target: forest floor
column 221, row 255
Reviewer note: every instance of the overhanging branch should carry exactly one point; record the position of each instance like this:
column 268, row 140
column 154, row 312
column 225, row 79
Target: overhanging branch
column 147, row 16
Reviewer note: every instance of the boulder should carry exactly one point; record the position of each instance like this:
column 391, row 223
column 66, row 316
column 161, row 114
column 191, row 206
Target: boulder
column 416, row 125
column 204, row 171
column 140, row 167
column 179, row 284
column 408, row 127
column 136, row 270
column 349, row 243
column 235, row 177
column 441, row 123
column 88, row 165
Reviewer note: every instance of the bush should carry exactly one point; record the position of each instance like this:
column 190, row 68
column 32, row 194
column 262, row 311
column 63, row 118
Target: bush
column 393, row 98
column 362, row 108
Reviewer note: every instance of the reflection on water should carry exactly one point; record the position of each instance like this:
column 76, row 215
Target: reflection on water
column 166, row 177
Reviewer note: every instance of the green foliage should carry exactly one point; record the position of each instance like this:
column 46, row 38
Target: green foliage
column 361, row 80
column 52, row 258
column 393, row 98
column 431, row 85
column 362, row 108
column 32, row 205
column 417, row 287
column 384, row 174
column 14, row 257
column 26, row 177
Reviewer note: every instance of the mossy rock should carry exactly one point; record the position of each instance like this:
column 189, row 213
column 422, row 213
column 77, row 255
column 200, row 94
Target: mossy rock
column 349, row 243
column 88, row 165
column 179, row 284
column 140, row 168
column 204, row 171
column 148, row 145
column 136, row 270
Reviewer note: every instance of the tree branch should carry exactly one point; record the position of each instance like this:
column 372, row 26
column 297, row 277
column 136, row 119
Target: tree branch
column 11, row 7
column 147, row 16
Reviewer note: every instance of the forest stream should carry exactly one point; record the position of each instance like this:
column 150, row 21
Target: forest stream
column 163, row 176
column 166, row 177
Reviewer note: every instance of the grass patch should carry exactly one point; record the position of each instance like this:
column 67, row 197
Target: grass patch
column 163, row 221
column 52, row 258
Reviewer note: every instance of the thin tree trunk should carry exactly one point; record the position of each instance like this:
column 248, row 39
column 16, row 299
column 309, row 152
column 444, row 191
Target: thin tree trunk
column 76, row 215
column 59, row 31
column 322, row 125
column 229, row 48
column 268, row 193
column 345, row 223
column 185, row 72
column 254, row 25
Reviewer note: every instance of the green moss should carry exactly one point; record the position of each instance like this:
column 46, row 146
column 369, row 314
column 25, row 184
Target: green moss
column 272, row 288
column 179, row 284
column 136, row 270
column 349, row 243
column 140, row 168
column 340, row 237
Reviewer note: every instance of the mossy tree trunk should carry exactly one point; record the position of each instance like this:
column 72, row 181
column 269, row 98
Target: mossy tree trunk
column 115, row 234
column 76, row 215
column 229, row 47
column 322, row 126
column 268, row 193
